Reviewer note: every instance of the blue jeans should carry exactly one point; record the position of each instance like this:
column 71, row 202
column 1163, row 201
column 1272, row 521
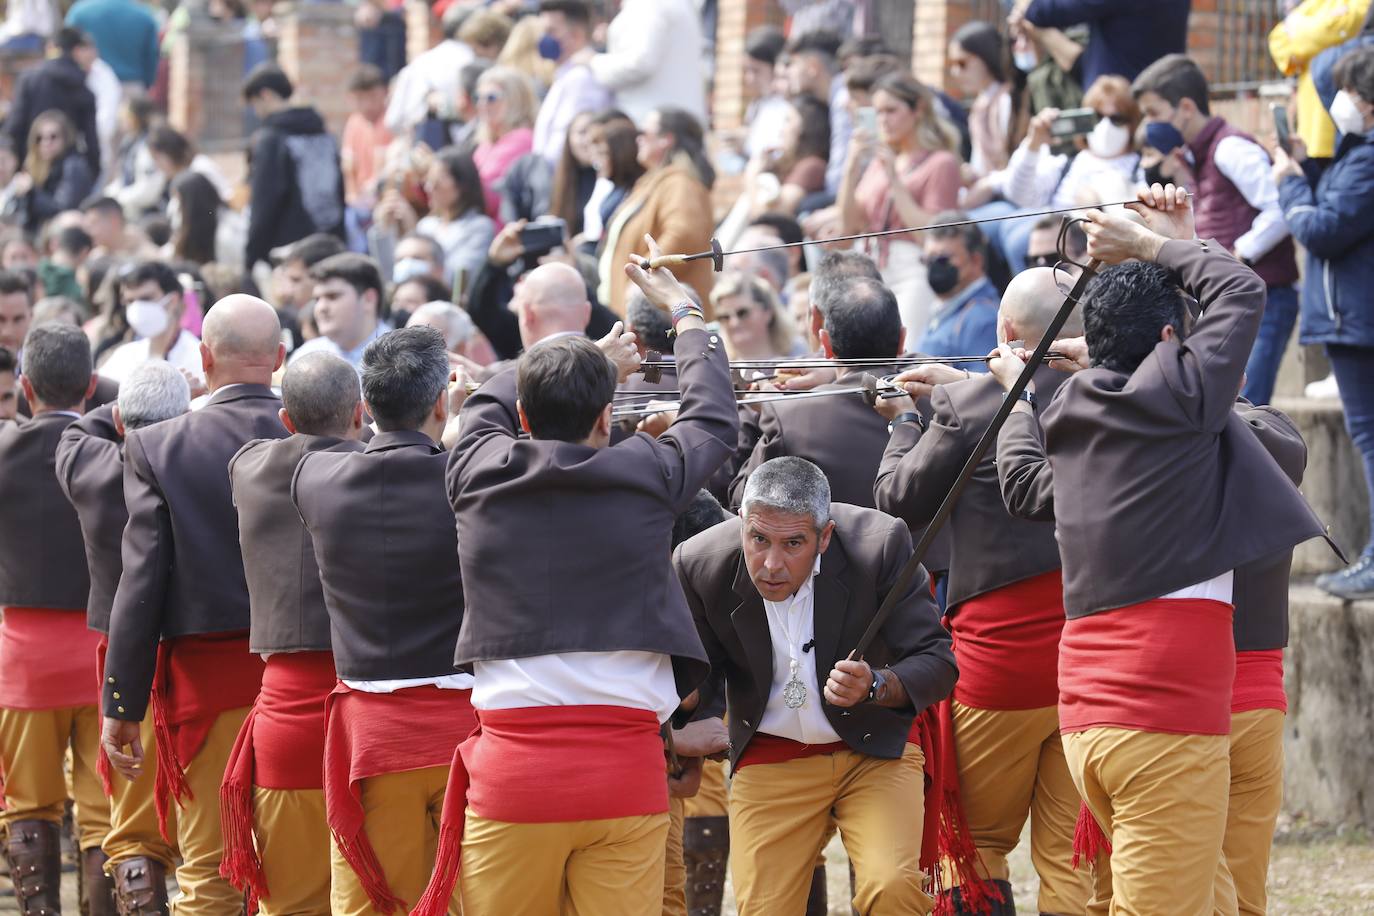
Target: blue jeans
column 1280, row 314
column 1354, row 369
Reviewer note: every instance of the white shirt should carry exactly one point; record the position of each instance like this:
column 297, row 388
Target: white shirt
column 653, row 58
column 574, row 90
column 791, row 625
column 1034, row 179
column 436, row 70
column 185, row 354
column 353, row 357
column 637, row 680
column 1217, row 588
column 1247, row 166
column 458, row 681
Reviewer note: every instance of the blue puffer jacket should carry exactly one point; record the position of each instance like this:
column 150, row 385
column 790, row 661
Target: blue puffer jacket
column 1332, row 216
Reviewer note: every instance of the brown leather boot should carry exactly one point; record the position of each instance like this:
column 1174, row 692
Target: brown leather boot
column 97, row 888
column 140, row 887
column 818, row 900
column 34, row 852
column 705, row 849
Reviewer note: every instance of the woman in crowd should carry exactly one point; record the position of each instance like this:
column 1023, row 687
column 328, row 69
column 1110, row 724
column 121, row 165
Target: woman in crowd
column 137, row 183
column 204, row 228
column 902, row 177
column 977, row 62
column 575, row 177
column 173, row 154
column 56, row 174
column 671, row 202
column 456, row 219
column 754, row 322
column 614, row 153
column 1331, row 214
column 505, row 119
column 780, row 177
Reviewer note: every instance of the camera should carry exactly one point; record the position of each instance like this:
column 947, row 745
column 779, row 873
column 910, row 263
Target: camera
column 543, row 235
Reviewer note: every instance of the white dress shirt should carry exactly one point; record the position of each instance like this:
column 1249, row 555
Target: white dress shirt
column 791, row 625
column 1247, row 166
column 458, row 681
column 636, row 680
column 185, row 354
column 653, row 58
column 1218, row 588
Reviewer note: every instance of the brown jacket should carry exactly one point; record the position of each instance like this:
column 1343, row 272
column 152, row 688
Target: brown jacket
column 285, row 599
column 991, row 549
column 183, row 570
column 387, row 551
column 565, row 548
column 675, row 208
column 42, row 556
column 1153, row 481
column 865, row 557
column 90, row 470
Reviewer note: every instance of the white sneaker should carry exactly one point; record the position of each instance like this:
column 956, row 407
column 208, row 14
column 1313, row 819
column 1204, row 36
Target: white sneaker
column 1323, row 388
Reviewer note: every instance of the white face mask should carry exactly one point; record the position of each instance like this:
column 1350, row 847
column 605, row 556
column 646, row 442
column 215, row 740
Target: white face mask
column 1108, row 140
column 1025, row 61
column 147, row 317
column 1346, row 113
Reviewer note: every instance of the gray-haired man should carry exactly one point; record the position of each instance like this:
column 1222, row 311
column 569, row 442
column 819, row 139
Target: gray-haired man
column 780, row 596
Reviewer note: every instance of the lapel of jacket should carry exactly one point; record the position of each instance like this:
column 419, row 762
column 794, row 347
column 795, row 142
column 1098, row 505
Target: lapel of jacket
column 831, row 608
column 750, row 621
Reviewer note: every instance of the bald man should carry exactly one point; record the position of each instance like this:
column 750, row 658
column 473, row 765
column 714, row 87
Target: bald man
column 188, row 620
column 551, row 302
column 1005, row 611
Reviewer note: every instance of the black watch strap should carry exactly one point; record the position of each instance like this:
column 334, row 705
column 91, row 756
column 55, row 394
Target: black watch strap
column 909, row 416
column 879, row 679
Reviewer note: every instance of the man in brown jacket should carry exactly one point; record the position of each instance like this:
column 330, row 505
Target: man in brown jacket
column 1159, row 493
column 47, row 655
column 90, row 470
column 188, row 620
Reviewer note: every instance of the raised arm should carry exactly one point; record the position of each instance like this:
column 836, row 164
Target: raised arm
column 922, row 657
column 919, row 467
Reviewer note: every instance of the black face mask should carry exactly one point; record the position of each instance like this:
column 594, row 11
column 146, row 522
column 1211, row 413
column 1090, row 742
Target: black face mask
column 1154, row 176
column 941, row 274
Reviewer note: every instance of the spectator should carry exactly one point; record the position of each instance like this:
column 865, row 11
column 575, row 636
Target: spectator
column 486, row 32
column 136, row 180
column 614, row 153
column 103, row 219
column 407, row 297
column 1294, row 44
column 977, row 62
column 18, row 253
column 59, row 84
column 57, row 272
column 574, row 178
column 363, row 148
column 964, row 322
column 521, row 53
column 292, row 285
column 56, row 175
column 204, row 228
column 912, row 174
column 418, row 255
column 297, row 185
column 1043, row 248
column 153, row 305
column 461, row 336
column 767, row 111
column 9, row 386
column 1237, row 201
column 793, row 167
column 1048, row 58
column 433, row 73
column 1124, row 36
column 505, row 113
column 671, row 202
column 456, row 217
column 1324, row 64
column 126, row 34
column 348, row 304
column 464, row 131
column 752, row 320
column 16, row 310
column 173, row 154
column 812, row 68
column 1331, row 214
column 653, row 58
column 575, row 90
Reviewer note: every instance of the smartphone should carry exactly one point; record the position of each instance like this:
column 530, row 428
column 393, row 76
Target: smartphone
column 1073, row 122
column 543, row 235
column 866, row 119
column 1281, row 130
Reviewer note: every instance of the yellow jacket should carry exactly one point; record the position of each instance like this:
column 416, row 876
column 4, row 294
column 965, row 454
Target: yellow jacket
column 1304, row 33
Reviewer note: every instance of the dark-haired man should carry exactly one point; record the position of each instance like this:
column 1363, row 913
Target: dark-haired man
column 813, row 67
column 394, row 596
column 348, row 303
column 964, row 320
column 292, row 286
column 1159, row 493
column 585, row 654
column 58, row 83
column 277, row 840
column 47, row 655
column 567, row 33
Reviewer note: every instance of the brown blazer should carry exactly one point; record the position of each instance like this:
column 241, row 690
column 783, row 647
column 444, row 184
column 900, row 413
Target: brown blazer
column 286, row 603
column 1260, row 589
column 183, row 570
column 844, row 437
column 991, row 549
column 42, row 556
column 106, row 392
column 387, row 551
column 675, row 208
column 90, row 470
column 565, row 548
column 1164, row 485
column 865, row 557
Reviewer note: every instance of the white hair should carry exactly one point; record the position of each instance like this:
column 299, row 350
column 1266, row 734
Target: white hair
column 789, row 484
column 451, row 321
column 154, row 392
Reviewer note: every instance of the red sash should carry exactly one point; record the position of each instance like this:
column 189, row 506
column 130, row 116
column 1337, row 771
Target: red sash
column 1165, row 665
column 764, row 748
column 47, row 659
column 547, row 764
column 371, row 734
column 280, row 746
column 1007, row 645
column 1259, row 681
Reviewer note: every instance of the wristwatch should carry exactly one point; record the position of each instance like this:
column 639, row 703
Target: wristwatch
column 908, row 416
column 1029, row 397
column 876, row 690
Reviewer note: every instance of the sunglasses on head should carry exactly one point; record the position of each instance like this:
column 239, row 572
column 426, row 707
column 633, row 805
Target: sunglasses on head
column 490, row 97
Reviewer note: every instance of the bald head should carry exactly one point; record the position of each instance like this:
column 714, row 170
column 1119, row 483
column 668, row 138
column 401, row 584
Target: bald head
column 551, row 299
column 1030, row 303
column 240, row 341
column 320, row 393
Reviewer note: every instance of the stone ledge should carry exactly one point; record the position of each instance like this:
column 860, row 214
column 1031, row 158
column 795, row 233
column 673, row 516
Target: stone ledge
column 1334, row 483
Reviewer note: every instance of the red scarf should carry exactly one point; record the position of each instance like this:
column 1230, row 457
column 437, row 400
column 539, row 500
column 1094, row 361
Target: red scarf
column 371, row 734
column 280, row 746
column 547, row 764
column 47, row 660
column 1007, row 645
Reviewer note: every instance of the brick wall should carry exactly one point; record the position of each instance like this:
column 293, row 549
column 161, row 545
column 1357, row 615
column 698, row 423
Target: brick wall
column 318, row 49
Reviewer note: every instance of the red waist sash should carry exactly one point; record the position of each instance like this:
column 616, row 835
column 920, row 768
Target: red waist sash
column 371, row 734
column 548, row 764
column 47, row 660
column 1159, row 666
column 280, row 746
column 1007, row 645
column 1259, row 681
column 765, row 748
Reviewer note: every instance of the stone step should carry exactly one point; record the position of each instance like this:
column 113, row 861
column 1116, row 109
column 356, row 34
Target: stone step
column 1334, row 483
